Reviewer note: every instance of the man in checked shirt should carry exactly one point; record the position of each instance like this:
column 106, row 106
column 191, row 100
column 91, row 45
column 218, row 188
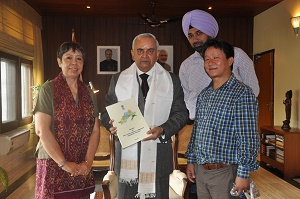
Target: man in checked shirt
column 224, row 143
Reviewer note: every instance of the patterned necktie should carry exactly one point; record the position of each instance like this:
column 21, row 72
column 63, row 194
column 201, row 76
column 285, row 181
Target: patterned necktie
column 144, row 86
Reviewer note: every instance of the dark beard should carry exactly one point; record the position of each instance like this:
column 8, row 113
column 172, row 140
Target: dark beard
column 198, row 48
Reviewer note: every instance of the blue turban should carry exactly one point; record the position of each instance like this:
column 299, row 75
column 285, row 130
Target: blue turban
column 201, row 20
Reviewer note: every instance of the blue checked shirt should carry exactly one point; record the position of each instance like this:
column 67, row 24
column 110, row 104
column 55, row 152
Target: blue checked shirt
column 225, row 129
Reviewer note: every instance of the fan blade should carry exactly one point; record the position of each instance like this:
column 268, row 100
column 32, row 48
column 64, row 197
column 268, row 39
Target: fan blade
column 171, row 20
column 144, row 17
column 155, row 25
column 148, row 20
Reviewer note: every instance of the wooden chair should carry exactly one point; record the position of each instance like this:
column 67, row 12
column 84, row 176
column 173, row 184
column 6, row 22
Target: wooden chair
column 183, row 140
column 102, row 157
column 178, row 179
column 101, row 161
column 110, row 180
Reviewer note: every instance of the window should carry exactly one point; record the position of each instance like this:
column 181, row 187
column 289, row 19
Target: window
column 8, row 90
column 26, row 92
column 16, row 82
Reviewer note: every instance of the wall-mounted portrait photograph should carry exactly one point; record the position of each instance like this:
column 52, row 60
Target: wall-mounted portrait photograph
column 165, row 57
column 108, row 59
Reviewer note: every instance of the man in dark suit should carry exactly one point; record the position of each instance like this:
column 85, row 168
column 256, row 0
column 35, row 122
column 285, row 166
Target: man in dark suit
column 143, row 169
column 108, row 64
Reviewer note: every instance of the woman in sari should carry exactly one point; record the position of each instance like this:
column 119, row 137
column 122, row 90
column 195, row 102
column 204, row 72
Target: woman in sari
column 66, row 121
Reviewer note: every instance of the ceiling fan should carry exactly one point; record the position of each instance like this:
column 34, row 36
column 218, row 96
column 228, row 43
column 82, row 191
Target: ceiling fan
column 153, row 21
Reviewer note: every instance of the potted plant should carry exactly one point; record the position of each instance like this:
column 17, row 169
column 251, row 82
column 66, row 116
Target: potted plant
column 4, row 177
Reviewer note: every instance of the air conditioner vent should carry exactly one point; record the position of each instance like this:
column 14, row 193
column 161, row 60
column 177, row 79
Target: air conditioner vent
column 13, row 140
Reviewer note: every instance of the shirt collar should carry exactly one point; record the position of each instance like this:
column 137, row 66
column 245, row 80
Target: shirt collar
column 228, row 83
column 197, row 55
column 150, row 72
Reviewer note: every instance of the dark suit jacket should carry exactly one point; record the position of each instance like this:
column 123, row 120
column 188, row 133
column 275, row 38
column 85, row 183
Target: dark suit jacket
column 177, row 120
column 111, row 65
column 165, row 65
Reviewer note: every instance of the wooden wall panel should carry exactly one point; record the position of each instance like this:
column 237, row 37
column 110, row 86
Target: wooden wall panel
column 100, row 31
column 237, row 31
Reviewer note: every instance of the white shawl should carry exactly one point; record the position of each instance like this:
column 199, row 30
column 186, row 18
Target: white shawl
column 157, row 109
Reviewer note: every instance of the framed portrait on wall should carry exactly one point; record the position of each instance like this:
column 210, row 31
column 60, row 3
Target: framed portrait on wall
column 165, row 57
column 108, row 59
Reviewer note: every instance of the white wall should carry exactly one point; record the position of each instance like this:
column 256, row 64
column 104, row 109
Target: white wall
column 273, row 30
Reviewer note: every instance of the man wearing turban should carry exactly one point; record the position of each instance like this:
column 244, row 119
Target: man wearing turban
column 200, row 26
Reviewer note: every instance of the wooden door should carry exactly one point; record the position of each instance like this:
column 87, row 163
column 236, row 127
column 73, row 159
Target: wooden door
column 264, row 68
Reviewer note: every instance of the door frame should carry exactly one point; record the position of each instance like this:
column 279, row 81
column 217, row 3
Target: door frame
column 266, row 94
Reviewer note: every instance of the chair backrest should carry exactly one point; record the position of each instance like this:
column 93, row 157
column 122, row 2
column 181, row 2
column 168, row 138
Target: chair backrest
column 112, row 152
column 175, row 151
column 104, row 140
column 102, row 156
column 109, row 184
column 183, row 137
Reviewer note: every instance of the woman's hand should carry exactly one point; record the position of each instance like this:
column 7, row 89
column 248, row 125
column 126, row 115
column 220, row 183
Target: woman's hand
column 72, row 168
column 75, row 169
column 84, row 168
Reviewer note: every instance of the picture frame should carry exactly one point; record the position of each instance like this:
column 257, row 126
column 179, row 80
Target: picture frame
column 169, row 49
column 110, row 66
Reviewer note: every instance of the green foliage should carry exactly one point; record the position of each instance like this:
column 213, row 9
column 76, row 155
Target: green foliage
column 4, row 177
column 35, row 91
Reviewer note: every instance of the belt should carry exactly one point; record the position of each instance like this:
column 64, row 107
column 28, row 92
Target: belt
column 214, row 166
